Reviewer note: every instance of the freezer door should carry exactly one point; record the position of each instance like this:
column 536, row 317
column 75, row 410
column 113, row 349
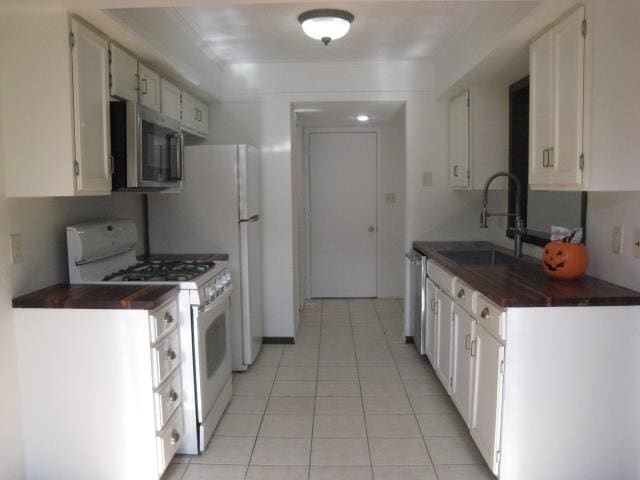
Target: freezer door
column 251, row 273
column 248, row 181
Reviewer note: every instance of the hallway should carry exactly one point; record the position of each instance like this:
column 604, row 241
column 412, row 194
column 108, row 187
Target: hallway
column 350, row 400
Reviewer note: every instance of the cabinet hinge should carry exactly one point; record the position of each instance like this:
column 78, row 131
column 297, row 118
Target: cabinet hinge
column 72, row 39
column 76, row 167
column 468, row 101
column 581, row 161
column 498, row 455
column 110, row 57
column 501, row 366
column 451, row 382
column 468, row 174
column 584, row 27
column 110, row 81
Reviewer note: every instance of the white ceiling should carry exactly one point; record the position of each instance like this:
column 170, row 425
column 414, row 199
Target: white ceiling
column 343, row 114
column 382, row 31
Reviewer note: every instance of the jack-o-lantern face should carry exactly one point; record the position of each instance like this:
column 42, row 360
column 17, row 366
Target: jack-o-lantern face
column 565, row 260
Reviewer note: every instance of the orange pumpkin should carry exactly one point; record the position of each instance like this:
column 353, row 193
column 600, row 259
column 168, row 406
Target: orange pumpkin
column 565, row 260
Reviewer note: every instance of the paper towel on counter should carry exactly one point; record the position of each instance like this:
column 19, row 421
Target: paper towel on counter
column 566, row 235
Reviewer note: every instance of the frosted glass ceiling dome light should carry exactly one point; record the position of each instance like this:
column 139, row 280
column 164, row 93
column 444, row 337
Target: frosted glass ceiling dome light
column 363, row 117
column 326, row 24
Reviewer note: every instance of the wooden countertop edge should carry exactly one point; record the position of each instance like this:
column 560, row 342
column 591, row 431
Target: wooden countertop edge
column 97, row 296
column 534, row 297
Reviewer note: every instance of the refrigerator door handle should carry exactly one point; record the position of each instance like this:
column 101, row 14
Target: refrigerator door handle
column 255, row 218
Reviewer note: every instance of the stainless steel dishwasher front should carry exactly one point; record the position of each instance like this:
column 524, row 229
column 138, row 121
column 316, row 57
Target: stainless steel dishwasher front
column 417, row 298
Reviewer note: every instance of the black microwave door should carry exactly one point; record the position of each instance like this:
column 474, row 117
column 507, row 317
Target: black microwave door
column 155, row 162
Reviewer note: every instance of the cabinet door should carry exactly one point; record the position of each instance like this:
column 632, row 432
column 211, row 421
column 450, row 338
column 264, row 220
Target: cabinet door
column 487, row 396
column 124, row 74
column 149, row 87
column 430, row 332
column 170, row 99
column 443, row 347
column 188, row 112
column 463, row 363
column 540, row 109
column 568, row 81
column 202, row 118
column 459, row 173
column 90, row 59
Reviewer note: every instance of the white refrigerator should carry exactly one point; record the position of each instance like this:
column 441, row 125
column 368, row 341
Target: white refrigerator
column 218, row 211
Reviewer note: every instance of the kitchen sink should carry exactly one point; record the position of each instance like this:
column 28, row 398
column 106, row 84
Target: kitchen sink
column 479, row 257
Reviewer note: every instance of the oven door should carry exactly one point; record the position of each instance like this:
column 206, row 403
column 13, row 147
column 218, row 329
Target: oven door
column 160, row 149
column 212, row 352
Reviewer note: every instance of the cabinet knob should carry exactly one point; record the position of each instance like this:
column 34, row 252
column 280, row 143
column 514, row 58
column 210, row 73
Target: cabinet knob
column 474, row 348
column 486, row 313
column 175, row 437
column 168, row 318
column 467, row 342
column 173, row 396
column 171, row 355
column 461, row 293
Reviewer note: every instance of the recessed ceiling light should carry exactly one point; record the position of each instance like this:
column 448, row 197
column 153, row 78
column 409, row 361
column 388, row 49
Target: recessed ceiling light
column 326, row 24
column 363, row 118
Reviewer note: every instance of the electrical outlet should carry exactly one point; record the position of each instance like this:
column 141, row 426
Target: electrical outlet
column 616, row 240
column 427, row 179
column 636, row 243
column 16, row 248
column 389, row 198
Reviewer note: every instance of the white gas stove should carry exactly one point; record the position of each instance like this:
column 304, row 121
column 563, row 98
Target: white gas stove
column 105, row 252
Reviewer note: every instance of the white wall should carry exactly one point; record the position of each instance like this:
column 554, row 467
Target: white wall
column 392, row 229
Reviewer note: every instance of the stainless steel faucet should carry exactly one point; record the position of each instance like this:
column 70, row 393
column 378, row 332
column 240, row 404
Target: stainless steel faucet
column 518, row 229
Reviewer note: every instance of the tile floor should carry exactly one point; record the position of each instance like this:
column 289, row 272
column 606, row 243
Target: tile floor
column 350, row 400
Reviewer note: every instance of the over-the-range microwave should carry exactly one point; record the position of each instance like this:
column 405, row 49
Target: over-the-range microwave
column 147, row 148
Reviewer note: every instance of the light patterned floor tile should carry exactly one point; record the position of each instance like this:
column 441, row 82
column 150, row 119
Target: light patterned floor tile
column 226, row 451
column 398, row 451
column 281, row 451
column 215, row 472
column 239, row 425
column 392, row 426
column 340, row 452
column 287, row 425
column 261, row 472
column 340, row 473
column 334, row 426
column 404, row 473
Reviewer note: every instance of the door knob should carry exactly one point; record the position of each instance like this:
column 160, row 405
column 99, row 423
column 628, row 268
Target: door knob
column 372, row 229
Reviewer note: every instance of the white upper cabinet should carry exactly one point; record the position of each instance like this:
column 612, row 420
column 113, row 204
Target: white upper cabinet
column 90, row 59
column 556, row 105
column 170, row 99
column 195, row 116
column 54, row 106
column 124, row 74
column 478, row 136
column 149, row 87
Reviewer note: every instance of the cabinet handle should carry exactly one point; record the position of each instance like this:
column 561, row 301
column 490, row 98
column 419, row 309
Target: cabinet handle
column 175, row 437
column 467, row 342
column 173, row 396
column 486, row 313
column 144, row 84
column 433, row 305
column 168, row 318
column 171, row 355
column 137, row 87
column 111, row 164
column 474, row 348
column 456, row 170
column 550, row 157
column 461, row 293
column 544, row 158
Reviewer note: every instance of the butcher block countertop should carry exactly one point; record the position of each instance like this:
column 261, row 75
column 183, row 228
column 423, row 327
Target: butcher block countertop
column 525, row 284
column 129, row 297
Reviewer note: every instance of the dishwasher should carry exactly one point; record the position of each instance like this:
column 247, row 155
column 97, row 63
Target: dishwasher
column 416, row 299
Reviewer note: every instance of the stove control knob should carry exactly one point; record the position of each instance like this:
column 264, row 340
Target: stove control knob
column 208, row 290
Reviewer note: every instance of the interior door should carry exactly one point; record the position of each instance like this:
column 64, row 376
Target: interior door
column 342, row 197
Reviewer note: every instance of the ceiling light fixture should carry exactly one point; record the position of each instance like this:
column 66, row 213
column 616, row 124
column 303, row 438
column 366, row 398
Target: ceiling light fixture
column 363, row 118
column 326, row 24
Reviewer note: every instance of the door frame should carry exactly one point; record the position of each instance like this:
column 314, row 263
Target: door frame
column 307, row 200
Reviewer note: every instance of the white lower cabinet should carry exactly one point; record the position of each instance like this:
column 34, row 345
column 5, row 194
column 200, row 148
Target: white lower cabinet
column 444, row 306
column 486, row 414
column 431, row 322
column 464, row 362
column 101, row 392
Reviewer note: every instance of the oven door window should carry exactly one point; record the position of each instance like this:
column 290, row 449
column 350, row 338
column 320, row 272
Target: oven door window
column 160, row 153
column 216, row 344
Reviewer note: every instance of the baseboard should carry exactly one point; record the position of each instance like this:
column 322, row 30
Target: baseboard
column 278, row 340
column 408, row 340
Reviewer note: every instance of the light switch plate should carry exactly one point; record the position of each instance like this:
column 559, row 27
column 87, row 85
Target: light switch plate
column 427, row 178
column 616, row 240
column 16, row 248
column 636, row 242
column 389, row 198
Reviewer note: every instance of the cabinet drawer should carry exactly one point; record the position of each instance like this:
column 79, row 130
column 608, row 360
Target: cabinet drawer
column 464, row 296
column 165, row 357
column 168, row 440
column 442, row 278
column 168, row 398
column 491, row 317
column 162, row 320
